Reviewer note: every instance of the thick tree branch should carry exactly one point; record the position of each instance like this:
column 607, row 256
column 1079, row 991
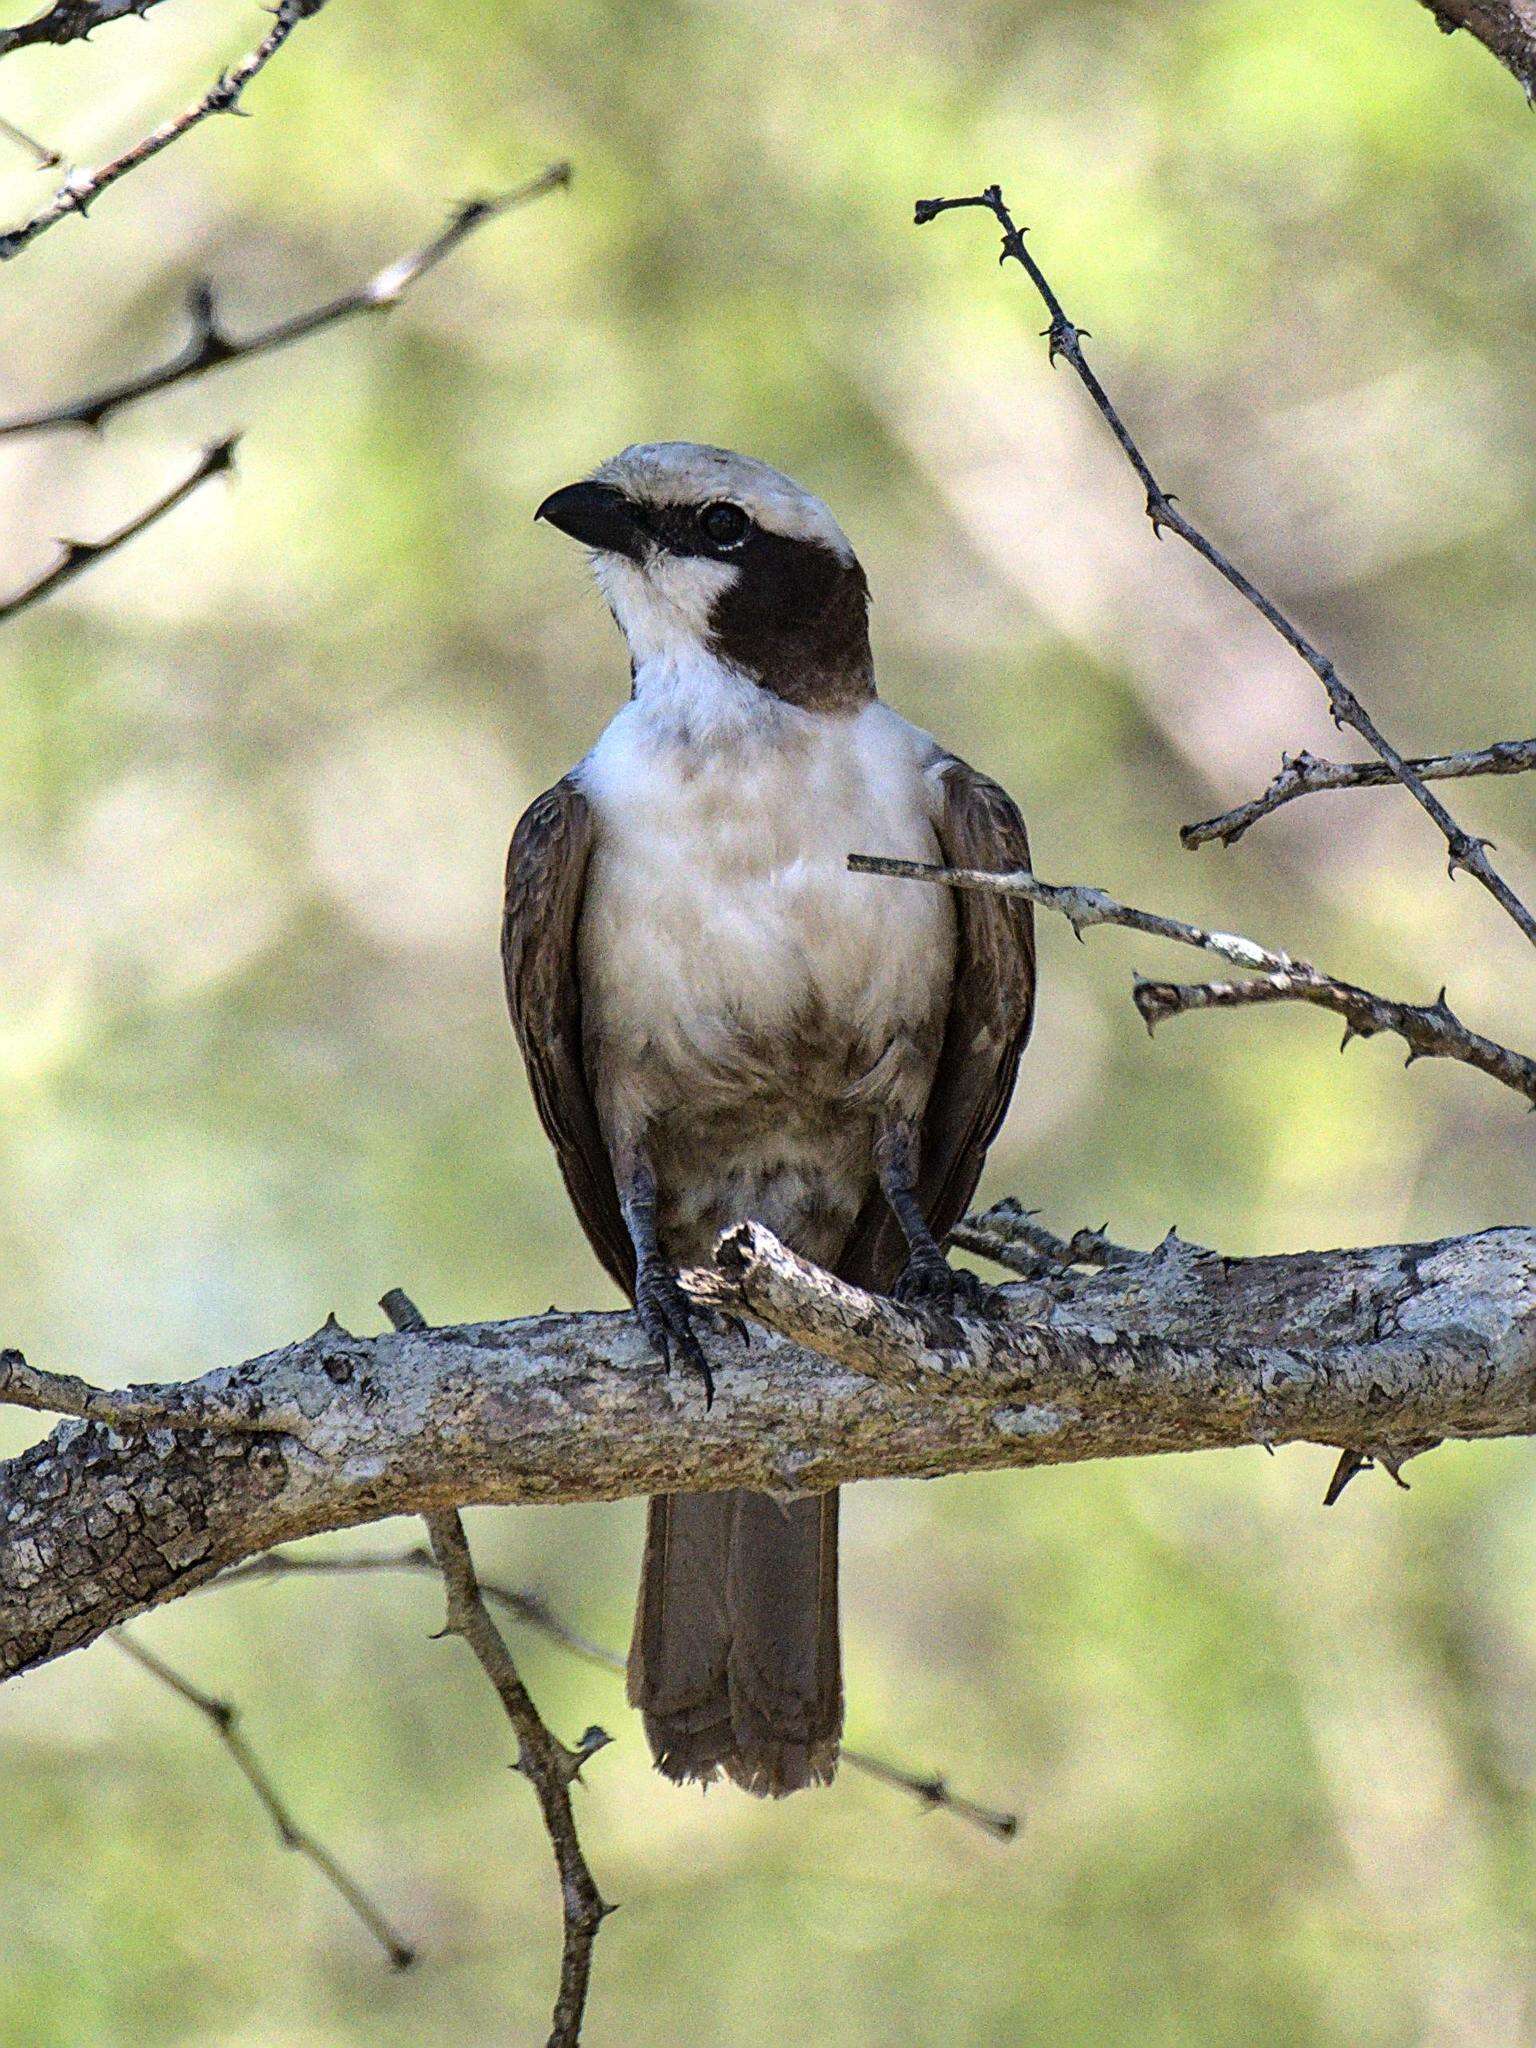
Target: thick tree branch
column 1506, row 27
column 546, row 1763
column 208, row 346
column 1430, row 1030
column 224, row 1719
column 69, row 21
column 1304, row 774
column 78, row 555
column 83, row 187
column 1182, row 1350
column 1065, row 339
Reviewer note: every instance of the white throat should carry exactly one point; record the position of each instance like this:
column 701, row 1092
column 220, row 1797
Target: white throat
column 663, row 605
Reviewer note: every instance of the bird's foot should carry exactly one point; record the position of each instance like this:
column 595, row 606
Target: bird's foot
column 930, row 1283
column 667, row 1317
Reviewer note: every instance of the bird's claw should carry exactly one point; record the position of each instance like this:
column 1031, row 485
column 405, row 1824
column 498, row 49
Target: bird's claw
column 666, row 1316
column 929, row 1283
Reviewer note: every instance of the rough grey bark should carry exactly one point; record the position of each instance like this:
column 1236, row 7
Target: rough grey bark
column 1506, row 27
column 1383, row 1350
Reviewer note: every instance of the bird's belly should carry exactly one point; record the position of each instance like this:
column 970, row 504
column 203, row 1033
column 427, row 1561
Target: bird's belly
column 753, row 1011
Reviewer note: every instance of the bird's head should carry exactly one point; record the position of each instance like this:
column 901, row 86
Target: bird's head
column 701, row 552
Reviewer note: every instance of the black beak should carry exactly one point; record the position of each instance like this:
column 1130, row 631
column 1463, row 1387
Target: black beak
column 598, row 516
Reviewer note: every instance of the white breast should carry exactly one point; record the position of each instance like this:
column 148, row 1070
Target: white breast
column 719, row 898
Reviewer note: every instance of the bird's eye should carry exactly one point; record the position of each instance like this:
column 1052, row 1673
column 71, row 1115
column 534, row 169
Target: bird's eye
column 723, row 524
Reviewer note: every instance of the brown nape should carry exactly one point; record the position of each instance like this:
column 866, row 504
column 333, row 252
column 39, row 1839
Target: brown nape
column 796, row 619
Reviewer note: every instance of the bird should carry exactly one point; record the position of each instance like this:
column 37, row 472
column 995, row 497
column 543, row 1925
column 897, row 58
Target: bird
column 720, row 1023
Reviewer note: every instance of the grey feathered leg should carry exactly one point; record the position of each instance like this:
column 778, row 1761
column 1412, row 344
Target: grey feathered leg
column 927, row 1281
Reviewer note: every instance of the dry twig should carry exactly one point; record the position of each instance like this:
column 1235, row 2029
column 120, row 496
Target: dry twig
column 224, row 1719
column 83, row 187
column 1304, row 774
column 1065, row 339
column 1009, row 1235
column 208, row 346
column 44, row 158
column 544, row 1761
column 69, row 21
column 930, row 1789
column 77, row 555
column 1431, row 1031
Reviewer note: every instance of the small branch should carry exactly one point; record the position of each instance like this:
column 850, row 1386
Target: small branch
column 931, row 1790
column 547, row 1764
column 1431, row 1031
column 82, row 188
column 224, row 1719
column 1506, row 27
column 78, row 555
column 44, row 158
column 934, row 1793
column 69, row 21
column 1010, row 1236
column 1065, row 339
column 1305, row 775
column 133, row 1410
column 208, row 346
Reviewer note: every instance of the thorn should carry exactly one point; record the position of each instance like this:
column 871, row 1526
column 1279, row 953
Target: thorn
column 1350, row 1465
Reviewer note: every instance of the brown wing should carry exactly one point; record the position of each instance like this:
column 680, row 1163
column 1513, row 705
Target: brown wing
column 546, row 879
column 990, row 1015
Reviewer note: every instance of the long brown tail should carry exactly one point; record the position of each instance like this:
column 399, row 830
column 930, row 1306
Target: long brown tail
column 735, row 1662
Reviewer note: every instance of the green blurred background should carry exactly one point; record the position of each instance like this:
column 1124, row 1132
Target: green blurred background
column 256, row 779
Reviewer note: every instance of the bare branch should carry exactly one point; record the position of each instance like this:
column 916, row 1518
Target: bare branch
column 1430, row 1030
column 546, row 1763
column 44, row 158
column 77, row 555
column 930, row 1789
column 1010, row 1236
column 83, row 187
column 1304, row 774
column 1506, row 27
column 208, row 346
column 1065, row 339
column 224, row 1719
column 935, row 1794
column 1183, row 1350
column 69, row 21
column 134, row 1408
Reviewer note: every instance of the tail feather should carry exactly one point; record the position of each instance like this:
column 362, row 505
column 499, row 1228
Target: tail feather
column 735, row 1662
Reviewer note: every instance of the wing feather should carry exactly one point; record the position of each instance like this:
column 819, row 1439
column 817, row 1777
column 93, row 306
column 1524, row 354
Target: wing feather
column 546, row 881
column 990, row 1014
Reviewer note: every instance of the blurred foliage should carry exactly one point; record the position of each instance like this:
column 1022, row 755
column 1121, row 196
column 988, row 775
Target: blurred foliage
column 256, row 778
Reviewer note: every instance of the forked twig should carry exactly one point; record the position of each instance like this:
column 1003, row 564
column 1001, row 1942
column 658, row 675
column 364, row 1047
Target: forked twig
column 1065, row 339
column 1431, row 1031
column 224, row 1719
column 930, row 1789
